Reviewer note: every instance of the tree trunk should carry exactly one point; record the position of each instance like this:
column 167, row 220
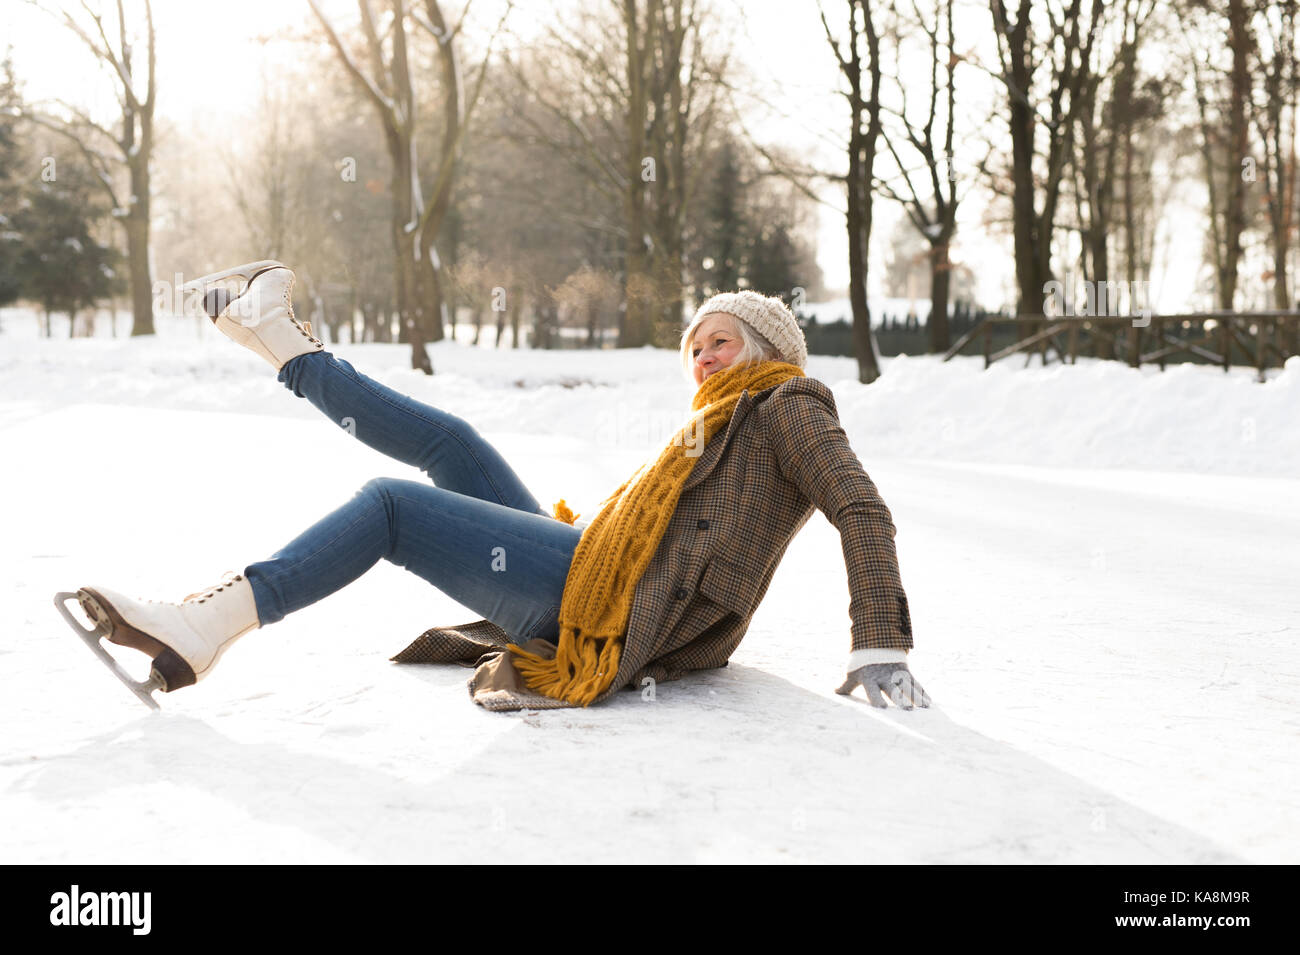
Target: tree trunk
column 636, row 329
column 516, row 306
column 1235, row 209
column 405, row 287
column 137, row 254
column 1278, row 139
column 859, row 232
column 137, row 154
column 1021, row 123
column 862, row 157
column 940, row 278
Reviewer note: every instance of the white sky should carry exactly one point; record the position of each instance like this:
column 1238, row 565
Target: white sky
column 212, row 58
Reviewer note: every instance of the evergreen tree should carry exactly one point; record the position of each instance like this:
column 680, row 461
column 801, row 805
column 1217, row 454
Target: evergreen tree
column 725, row 228
column 61, row 264
column 774, row 259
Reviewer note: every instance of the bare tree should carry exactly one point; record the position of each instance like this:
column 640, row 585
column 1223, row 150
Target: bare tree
column 416, row 220
column 1036, row 192
column 1241, row 43
column 633, row 117
column 468, row 284
column 265, row 186
column 1111, row 105
column 1224, row 127
column 128, row 148
column 588, row 295
column 678, row 74
column 1275, row 124
column 933, row 213
column 860, row 182
column 864, row 108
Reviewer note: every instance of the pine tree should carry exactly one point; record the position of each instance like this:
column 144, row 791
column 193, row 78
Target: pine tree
column 61, row 264
column 773, row 261
column 725, row 238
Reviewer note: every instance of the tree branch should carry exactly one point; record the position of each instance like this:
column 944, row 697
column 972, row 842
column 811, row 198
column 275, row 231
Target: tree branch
column 98, row 162
column 384, row 103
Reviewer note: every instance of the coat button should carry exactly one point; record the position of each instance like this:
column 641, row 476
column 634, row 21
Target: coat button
column 702, row 524
column 681, row 593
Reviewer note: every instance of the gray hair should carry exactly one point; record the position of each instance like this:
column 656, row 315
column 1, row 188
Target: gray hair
column 753, row 346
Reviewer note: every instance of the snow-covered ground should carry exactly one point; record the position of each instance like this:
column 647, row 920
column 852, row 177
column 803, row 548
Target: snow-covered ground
column 1100, row 565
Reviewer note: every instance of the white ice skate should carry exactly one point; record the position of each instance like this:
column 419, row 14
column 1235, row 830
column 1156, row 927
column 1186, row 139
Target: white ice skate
column 184, row 639
column 232, row 277
column 252, row 305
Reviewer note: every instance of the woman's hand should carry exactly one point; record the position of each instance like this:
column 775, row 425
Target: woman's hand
column 894, row 678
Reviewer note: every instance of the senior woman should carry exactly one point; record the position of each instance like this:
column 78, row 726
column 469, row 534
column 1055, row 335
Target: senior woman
column 663, row 580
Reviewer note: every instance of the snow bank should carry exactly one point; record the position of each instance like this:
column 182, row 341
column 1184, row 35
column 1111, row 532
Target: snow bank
column 1095, row 414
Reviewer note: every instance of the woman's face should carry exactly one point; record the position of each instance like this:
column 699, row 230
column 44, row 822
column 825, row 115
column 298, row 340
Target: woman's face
column 714, row 346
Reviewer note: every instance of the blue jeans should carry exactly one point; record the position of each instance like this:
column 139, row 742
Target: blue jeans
column 479, row 536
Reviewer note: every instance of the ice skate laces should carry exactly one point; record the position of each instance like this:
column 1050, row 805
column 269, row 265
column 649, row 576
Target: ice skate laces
column 228, row 578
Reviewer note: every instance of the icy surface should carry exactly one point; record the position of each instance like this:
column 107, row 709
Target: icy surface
column 1100, row 565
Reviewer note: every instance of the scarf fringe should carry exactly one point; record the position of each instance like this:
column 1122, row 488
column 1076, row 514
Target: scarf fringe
column 578, row 672
column 562, row 512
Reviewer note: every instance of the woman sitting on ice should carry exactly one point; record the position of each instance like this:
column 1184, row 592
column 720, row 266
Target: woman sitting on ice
column 663, row 580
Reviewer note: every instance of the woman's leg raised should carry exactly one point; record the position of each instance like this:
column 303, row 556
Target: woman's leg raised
column 443, row 446
column 501, row 562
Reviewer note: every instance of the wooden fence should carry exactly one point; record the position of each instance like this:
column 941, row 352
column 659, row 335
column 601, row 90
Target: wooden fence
column 1262, row 339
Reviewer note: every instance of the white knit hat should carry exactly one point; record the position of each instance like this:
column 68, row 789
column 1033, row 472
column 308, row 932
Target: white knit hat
column 767, row 315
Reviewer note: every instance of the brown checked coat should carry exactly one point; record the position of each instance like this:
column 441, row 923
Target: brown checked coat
column 752, row 489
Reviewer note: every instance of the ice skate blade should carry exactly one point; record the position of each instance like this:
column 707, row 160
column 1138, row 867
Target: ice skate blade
column 92, row 637
column 245, row 272
column 168, row 666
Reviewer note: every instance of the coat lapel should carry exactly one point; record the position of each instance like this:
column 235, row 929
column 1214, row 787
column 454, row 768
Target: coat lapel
column 713, row 449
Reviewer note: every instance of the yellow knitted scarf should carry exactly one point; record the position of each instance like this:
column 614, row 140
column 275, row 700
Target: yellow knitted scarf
column 616, row 547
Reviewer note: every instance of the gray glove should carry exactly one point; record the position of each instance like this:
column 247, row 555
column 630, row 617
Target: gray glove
column 894, row 678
